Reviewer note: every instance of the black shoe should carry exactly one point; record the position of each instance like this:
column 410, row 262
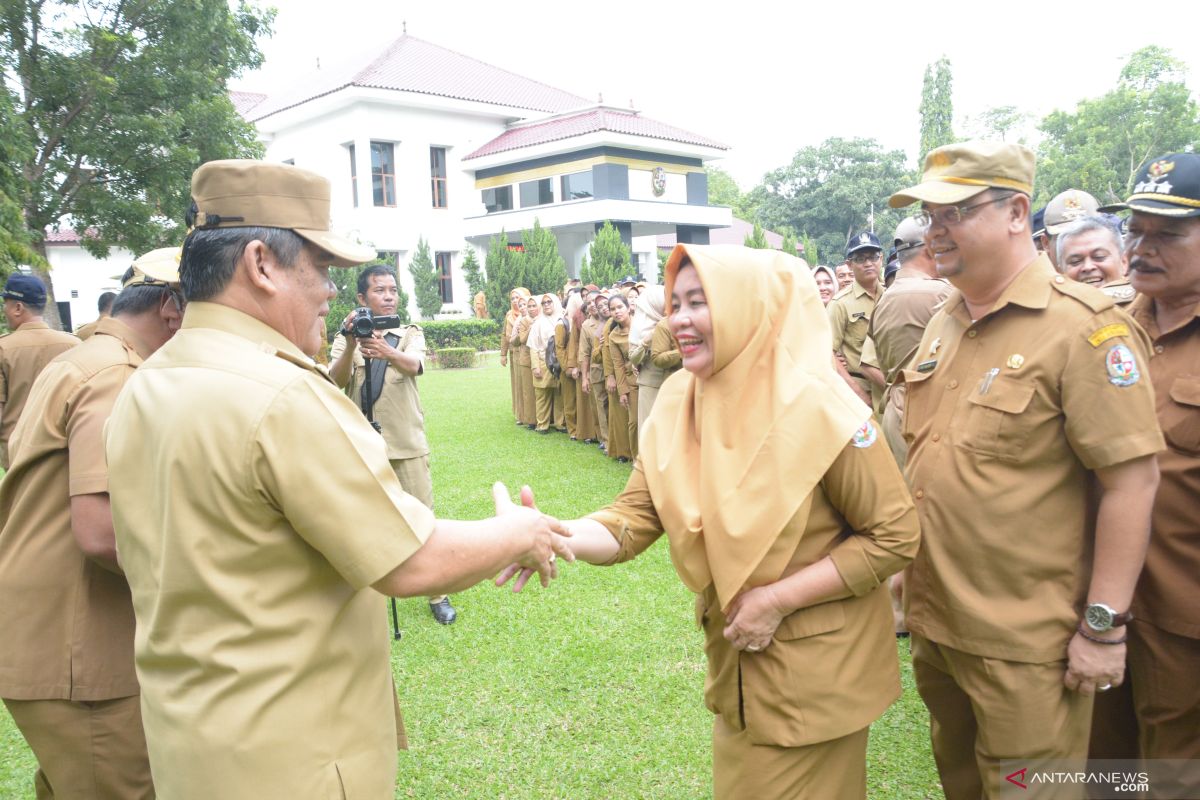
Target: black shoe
column 531, row 427
column 622, row 460
column 589, row 441
column 443, row 612
column 544, row 432
column 574, row 439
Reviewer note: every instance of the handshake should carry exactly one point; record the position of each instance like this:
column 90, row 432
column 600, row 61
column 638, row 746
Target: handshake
column 547, row 538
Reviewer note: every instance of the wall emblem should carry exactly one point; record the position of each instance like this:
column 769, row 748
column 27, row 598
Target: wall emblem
column 658, row 179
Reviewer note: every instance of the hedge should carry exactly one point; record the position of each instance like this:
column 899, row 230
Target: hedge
column 475, row 334
column 455, row 357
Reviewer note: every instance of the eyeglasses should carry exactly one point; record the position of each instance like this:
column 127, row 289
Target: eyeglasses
column 952, row 215
column 866, row 257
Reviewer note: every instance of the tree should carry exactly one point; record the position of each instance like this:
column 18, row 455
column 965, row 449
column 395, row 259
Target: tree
column 545, row 270
column 937, row 107
column 505, row 270
column 789, row 242
column 15, row 244
column 425, row 281
column 828, row 192
column 998, row 123
column 757, row 239
column 473, row 272
column 120, row 103
column 663, row 255
column 1100, row 146
column 346, row 281
column 809, row 248
column 609, row 260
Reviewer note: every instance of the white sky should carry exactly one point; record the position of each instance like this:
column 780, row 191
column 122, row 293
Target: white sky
column 766, row 78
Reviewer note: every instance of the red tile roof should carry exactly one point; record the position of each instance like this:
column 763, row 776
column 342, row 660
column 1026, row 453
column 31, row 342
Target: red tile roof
column 244, row 101
column 413, row 65
column 67, row 236
column 591, row 121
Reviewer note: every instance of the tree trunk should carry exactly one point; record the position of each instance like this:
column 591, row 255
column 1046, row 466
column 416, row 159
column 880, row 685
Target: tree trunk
column 51, row 316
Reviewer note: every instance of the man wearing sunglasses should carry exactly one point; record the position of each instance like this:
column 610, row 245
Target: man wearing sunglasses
column 66, row 671
column 1030, row 421
column 850, row 309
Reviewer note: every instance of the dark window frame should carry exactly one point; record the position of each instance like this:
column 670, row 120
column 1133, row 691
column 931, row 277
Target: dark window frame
column 437, row 177
column 444, row 262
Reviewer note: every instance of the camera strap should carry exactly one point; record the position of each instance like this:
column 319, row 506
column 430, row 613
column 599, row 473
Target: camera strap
column 372, row 389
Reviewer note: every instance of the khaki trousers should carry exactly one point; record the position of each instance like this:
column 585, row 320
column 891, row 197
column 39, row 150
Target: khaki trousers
column 585, row 414
column 567, row 391
column 618, row 428
column 984, row 711
column 600, row 403
column 544, row 397
column 514, row 380
column 646, row 395
column 417, row 480
column 1165, row 670
column 742, row 770
column 633, row 423
column 86, row 751
column 528, row 404
column 560, row 417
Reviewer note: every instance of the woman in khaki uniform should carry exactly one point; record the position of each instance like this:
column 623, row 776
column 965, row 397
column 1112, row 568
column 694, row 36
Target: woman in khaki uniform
column 563, row 336
column 525, row 365
column 592, row 369
column 664, row 349
column 544, row 383
column 623, row 370
column 790, row 574
column 517, row 298
column 647, row 315
column 618, row 416
column 585, row 417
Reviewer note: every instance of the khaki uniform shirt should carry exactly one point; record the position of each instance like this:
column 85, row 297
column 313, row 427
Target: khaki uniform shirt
column 254, row 507
column 86, row 330
column 1168, row 595
column 398, row 408
column 664, row 350
column 622, row 367
column 1121, row 291
column 67, row 622
column 849, row 318
column 831, row 668
column 23, row 354
column 1005, row 418
column 589, row 351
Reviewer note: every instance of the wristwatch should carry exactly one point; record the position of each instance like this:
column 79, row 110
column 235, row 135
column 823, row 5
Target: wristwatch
column 1101, row 618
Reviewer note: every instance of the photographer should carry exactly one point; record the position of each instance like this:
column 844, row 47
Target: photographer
column 397, row 354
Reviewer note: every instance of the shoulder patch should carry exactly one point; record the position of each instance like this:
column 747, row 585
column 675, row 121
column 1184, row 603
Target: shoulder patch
column 1122, row 366
column 1089, row 296
column 1121, row 292
column 866, row 435
column 1108, row 332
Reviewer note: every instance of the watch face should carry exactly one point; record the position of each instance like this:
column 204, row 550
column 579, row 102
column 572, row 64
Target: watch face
column 1098, row 618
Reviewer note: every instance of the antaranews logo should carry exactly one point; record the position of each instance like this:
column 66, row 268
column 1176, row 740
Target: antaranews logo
column 1110, row 783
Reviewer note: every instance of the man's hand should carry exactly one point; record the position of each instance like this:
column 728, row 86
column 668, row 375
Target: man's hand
column 377, row 347
column 503, row 360
column 624, row 400
column 610, row 384
column 1093, row 667
column 587, row 385
column 537, row 372
column 573, row 373
column 753, row 618
column 549, row 538
column 351, row 342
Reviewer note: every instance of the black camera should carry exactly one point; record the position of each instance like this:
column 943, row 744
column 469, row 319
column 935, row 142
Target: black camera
column 364, row 323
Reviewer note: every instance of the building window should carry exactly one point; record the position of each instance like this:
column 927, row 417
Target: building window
column 389, row 257
column 537, row 193
column 577, row 185
column 437, row 175
column 383, row 173
column 498, row 199
column 353, row 175
column 445, row 280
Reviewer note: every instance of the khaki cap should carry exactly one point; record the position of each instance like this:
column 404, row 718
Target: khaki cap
column 956, row 172
column 157, row 268
column 241, row 193
column 910, row 233
column 1068, row 206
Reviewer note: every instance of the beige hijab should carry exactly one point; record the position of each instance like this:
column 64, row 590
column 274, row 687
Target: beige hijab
column 542, row 331
column 731, row 459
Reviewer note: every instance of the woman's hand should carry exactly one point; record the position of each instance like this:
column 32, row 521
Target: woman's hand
column 610, row 383
column 625, row 400
column 753, row 617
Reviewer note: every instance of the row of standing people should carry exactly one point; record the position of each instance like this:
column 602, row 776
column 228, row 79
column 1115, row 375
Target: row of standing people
column 611, row 351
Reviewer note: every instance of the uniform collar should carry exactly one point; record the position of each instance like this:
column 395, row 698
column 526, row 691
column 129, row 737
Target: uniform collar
column 226, row 318
column 1142, row 310
column 114, row 327
column 1030, row 289
column 858, row 290
column 34, row 326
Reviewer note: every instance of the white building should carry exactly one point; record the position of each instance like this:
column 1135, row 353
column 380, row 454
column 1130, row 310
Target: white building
column 421, row 142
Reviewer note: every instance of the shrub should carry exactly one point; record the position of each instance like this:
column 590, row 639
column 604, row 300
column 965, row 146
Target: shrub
column 474, row 334
column 455, row 357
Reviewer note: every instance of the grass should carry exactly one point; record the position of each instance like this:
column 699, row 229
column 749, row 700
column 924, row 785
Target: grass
column 589, row 689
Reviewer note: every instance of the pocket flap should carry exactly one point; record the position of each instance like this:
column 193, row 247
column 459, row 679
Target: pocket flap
column 810, row 621
column 1008, row 396
column 1186, row 390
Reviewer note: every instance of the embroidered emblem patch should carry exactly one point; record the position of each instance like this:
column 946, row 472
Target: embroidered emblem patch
column 866, row 435
column 1108, row 332
column 1122, row 366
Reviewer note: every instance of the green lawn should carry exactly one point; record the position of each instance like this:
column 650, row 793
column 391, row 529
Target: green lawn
column 589, row 689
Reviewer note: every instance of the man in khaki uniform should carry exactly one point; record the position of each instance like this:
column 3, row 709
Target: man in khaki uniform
column 1026, row 409
column 850, row 309
column 897, row 324
column 25, row 351
column 255, row 510
column 1164, row 639
column 397, row 357
column 1064, row 209
column 66, row 670
column 1090, row 251
column 104, row 307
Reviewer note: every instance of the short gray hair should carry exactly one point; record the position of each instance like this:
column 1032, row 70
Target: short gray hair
column 1092, row 222
column 211, row 255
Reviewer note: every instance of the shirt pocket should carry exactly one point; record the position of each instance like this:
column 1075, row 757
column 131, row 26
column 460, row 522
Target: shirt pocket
column 996, row 423
column 1181, row 415
column 918, row 402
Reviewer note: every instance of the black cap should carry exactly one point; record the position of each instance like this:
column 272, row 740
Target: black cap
column 26, row 288
column 1039, row 222
column 862, row 241
column 1168, row 186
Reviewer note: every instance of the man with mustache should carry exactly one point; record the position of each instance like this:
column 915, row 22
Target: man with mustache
column 850, row 309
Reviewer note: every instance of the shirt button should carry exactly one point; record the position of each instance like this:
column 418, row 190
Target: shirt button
column 972, row 334
column 937, row 437
column 952, row 385
column 919, row 493
column 1058, row 278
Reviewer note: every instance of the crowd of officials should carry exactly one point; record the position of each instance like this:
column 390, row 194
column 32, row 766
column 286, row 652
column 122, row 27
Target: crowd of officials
column 987, row 440
column 592, row 369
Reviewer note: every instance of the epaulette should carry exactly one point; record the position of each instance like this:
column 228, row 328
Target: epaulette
column 1089, row 296
column 841, row 292
column 1122, row 292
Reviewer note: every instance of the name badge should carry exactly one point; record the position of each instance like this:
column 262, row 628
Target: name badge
column 927, row 366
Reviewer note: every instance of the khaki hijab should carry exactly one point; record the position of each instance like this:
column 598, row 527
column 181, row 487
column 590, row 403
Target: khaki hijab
column 731, row 459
